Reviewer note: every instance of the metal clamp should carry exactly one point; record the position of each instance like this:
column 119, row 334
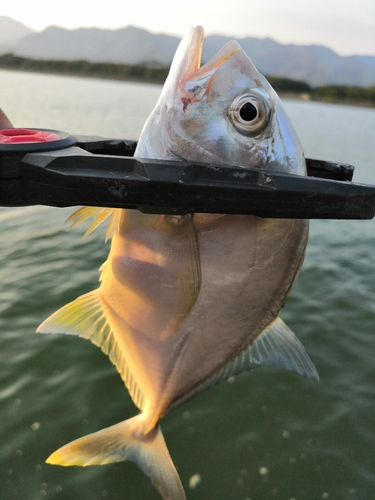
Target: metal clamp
column 90, row 170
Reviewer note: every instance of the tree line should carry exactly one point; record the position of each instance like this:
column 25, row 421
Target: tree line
column 137, row 72
column 157, row 74
column 348, row 94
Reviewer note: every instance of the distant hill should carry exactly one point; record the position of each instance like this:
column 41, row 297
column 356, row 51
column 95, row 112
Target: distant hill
column 11, row 30
column 317, row 65
column 128, row 45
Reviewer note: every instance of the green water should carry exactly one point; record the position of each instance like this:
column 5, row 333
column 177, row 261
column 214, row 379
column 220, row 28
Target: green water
column 266, row 435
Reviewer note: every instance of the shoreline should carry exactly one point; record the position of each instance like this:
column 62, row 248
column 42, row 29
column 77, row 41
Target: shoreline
column 84, row 75
column 302, row 96
column 308, row 98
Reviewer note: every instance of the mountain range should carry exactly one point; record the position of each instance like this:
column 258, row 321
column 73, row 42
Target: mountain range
column 317, row 65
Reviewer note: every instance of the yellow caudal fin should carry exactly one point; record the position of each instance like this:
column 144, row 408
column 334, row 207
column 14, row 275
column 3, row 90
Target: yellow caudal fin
column 100, row 215
column 126, row 441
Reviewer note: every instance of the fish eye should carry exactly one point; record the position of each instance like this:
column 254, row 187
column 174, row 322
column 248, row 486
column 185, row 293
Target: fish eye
column 249, row 114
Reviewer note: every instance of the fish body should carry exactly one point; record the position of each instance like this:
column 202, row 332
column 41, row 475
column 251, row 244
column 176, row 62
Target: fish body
column 188, row 301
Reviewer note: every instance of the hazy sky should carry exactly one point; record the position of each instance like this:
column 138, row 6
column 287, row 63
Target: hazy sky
column 346, row 26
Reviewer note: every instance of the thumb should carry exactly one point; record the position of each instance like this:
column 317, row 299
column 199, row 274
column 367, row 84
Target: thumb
column 4, row 120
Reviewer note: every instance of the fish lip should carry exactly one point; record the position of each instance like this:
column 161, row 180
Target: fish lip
column 193, row 52
column 193, row 49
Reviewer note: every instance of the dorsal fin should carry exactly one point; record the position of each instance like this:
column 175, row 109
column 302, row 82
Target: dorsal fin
column 100, row 215
column 87, row 318
column 277, row 346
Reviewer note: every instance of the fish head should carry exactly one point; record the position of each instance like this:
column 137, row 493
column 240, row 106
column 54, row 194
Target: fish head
column 224, row 111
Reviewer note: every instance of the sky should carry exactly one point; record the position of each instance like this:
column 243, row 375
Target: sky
column 346, row 26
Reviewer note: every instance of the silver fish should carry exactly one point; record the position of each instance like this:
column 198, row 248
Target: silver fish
column 188, row 301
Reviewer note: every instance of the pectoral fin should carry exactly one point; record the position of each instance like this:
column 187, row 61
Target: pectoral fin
column 156, row 259
column 183, row 249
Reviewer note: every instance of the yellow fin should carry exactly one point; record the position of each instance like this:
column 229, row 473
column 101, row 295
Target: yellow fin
column 126, row 441
column 87, row 318
column 100, row 215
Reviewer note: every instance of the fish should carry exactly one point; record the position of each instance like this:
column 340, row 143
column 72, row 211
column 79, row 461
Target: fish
column 188, row 301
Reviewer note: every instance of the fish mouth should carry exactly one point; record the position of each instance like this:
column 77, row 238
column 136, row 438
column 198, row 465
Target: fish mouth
column 190, row 58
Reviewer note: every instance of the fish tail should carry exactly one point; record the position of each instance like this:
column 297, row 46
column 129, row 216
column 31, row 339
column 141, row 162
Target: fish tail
column 126, row 441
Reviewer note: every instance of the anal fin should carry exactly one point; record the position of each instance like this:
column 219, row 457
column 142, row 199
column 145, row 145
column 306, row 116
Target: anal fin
column 88, row 317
